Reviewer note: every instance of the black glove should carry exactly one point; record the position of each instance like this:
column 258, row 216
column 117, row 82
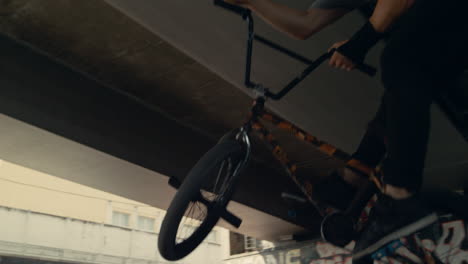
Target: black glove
column 359, row 45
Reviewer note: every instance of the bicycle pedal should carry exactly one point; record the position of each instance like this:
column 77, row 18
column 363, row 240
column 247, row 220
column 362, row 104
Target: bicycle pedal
column 387, row 250
column 293, row 197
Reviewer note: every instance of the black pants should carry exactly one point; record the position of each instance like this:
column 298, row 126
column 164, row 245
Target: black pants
column 424, row 54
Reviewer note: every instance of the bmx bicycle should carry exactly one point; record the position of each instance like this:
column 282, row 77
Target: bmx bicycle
column 203, row 196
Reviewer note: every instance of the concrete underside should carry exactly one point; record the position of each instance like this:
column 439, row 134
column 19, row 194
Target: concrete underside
column 62, row 123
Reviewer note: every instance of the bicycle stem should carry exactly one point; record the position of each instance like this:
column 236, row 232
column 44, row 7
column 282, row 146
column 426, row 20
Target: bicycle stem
column 248, row 61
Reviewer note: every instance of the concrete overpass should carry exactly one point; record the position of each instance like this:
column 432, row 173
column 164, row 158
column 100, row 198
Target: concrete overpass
column 118, row 95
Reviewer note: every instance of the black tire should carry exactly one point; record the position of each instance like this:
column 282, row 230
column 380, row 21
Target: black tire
column 198, row 178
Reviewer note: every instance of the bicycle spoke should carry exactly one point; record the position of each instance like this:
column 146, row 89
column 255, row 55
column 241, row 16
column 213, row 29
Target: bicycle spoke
column 204, row 213
column 187, row 214
column 223, row 176
column 199, row 209
column 227, row 179
column 186, row 225
column 218, row 177
column 186, row 219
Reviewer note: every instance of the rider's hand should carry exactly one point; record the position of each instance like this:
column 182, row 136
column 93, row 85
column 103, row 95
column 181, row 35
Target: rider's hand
column 243, row 3
column 340, row 61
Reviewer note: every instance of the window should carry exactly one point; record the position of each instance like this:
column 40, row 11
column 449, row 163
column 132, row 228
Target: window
column 146, row 223
column 250, row 243
column 120, row 219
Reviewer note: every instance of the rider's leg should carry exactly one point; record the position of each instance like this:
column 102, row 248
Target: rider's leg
column 410, row 92
column 417, row 64
column 420, row 56
column 345, row 180
column 372, row 148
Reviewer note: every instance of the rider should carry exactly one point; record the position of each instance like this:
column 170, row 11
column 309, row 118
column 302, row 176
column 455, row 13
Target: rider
column 426, row 49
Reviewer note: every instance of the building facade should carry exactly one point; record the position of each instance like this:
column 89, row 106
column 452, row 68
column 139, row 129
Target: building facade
column 47, row 218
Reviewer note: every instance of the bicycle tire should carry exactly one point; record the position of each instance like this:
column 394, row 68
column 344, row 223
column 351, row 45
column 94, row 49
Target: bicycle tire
column 187, row 192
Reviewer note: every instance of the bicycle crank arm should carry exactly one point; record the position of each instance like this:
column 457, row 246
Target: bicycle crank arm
column 231, row 218
column 223, row 213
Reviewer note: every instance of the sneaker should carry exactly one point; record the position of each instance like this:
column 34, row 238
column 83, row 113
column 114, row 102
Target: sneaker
column 392, row 219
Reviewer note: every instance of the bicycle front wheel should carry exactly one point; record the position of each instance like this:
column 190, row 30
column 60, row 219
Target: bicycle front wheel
column 200, row 200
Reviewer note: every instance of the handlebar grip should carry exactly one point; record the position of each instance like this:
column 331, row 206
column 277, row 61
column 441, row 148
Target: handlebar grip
column 367, row 69
column 233, row 8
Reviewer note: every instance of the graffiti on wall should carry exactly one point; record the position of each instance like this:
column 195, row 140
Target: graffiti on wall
column 446, row 243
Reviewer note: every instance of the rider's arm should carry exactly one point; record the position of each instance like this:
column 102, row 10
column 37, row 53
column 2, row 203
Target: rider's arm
column 296, row 23
column 387, row 12
column 384, row 16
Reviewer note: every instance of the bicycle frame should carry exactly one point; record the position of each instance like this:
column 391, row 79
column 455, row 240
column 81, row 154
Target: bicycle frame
column 258, row 113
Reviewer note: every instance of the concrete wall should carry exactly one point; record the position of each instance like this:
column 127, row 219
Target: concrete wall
column 50, row 218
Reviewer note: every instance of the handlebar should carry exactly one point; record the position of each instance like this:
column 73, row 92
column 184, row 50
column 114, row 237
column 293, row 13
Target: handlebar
column 312, row 64
column 233, row 8
column 367, row 69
